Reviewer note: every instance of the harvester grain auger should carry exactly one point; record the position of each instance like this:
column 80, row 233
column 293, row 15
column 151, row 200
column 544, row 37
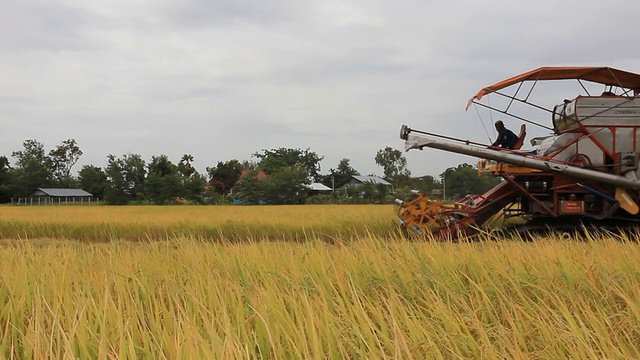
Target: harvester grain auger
column 585, row 172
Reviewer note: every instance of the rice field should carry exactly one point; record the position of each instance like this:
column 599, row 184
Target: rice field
column 155, row 287
column 214, row 223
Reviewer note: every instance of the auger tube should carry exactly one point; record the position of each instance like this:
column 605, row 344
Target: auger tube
column 413, row 141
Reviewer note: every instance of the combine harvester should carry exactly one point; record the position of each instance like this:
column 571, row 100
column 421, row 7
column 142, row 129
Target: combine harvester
column 584, row 173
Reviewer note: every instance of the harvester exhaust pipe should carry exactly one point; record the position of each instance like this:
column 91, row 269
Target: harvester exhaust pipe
column 413, row 141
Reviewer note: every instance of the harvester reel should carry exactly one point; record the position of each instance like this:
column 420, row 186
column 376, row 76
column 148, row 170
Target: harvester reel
column 422, row 214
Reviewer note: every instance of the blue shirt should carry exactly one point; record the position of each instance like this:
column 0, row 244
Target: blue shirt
column 506, row 139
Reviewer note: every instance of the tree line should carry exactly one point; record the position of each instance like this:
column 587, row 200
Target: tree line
column 129, row 179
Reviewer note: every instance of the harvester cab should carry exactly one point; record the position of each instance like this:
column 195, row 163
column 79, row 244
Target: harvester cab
column 585, row 171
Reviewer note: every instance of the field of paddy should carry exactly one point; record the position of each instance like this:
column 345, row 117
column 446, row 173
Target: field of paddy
column 216, row 223
column 302, row 282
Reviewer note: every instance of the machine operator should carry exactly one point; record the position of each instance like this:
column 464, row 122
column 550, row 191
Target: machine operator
column 506, row 138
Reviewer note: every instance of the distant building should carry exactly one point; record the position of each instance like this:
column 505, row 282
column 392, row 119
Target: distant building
column 260, row 175
column 44, row 196
column 359, row 180
column 318, row 187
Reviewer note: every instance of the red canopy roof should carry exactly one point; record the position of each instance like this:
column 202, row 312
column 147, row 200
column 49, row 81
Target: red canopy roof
column 602, row 75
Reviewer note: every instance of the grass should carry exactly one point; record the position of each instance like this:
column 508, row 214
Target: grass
column 214, row 223
column 183, row 296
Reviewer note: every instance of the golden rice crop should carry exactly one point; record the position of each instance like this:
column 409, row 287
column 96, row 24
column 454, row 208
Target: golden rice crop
column 368, row 297
column 230, row 223
column 183, row 298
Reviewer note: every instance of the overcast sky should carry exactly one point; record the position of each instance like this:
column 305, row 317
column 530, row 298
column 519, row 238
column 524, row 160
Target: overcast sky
column 221, row 80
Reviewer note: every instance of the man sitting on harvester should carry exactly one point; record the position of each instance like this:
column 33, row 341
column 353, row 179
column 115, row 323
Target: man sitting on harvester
column 506, row 138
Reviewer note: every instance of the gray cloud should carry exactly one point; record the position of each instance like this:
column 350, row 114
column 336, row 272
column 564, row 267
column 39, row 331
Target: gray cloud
column 34, row 25
column 14, row 100
column 203, row 13
column 222, row 79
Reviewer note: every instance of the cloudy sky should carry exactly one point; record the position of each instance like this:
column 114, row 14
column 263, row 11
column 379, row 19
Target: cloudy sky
column 221, row 80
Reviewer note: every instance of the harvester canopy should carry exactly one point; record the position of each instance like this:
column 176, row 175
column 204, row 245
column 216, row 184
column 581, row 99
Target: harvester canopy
column 601, row 75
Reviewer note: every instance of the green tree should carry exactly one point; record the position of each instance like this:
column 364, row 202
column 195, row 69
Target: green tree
column 163, row 183
column 184, row 166
column 374, row 193
column 31, row 169
column 249, row 165
column 193, row 188
column 423, row 183
column 273, row 160
column 192, row 182
column 6, row 180
column 287, row 186
column 464, row 180
column 340, row 175
column 250, row 188
column 394, row 165
column 118, row 191
column 62, row 159
column 126, row 177
column 93, row 180
column 224, row 176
